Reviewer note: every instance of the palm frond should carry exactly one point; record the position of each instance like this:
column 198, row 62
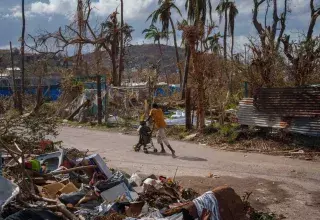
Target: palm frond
column 176, row 8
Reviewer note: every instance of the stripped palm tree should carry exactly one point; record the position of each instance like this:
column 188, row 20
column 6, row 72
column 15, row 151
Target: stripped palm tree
column 198, row 10
column 223, row 8
column 163, row 13
column 154, row 33
column 233, row 12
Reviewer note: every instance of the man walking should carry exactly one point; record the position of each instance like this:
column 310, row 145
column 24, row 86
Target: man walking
column 157, row 115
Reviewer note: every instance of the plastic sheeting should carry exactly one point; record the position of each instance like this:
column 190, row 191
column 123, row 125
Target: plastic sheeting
column 8, row 191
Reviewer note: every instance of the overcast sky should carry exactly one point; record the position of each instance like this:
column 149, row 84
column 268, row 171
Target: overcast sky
column 50, row 14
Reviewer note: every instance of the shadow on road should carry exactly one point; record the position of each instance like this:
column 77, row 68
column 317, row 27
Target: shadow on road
column 178, row 157
column 192, row 158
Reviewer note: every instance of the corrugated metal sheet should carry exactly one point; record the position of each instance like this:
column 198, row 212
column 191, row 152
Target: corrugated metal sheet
column 289, row 102
column 306, row 126
column 249, row 115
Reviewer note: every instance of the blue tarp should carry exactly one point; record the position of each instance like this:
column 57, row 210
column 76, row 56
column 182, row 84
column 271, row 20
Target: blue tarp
column 162, row 91
column 52, row 93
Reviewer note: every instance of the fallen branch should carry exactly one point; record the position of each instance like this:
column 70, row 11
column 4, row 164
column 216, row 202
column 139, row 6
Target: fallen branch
column 62, row 208
column 44, row 199
column 59, row 207
column 72, row 169
column 86, row 103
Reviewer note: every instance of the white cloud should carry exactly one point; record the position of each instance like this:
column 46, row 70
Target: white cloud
column 16, row 12
column 132, row 9
column 62, row 7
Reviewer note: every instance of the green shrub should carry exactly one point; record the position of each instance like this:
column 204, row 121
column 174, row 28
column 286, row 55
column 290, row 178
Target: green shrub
column 229, row 131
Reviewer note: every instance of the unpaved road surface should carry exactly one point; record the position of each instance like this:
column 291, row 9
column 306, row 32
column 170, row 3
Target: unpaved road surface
column 282, row 185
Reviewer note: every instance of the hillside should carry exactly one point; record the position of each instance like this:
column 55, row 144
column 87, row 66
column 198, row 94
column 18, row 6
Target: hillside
column 142, row 56
column 137, row 56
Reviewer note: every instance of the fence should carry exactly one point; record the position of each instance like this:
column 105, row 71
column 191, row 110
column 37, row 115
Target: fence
column 295, row 109
column 289, row 102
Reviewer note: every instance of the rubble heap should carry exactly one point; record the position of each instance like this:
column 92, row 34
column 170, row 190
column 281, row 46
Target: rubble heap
column 68, row 184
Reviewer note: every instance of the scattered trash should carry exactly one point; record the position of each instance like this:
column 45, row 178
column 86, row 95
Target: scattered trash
column 116, row 192
column 190, row 137
column 69, row 184
column 135, row 180
column 151, row 182
column 52, row 160
column 95, row 159
column 8, row 191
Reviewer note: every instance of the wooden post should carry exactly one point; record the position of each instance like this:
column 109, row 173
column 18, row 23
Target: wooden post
column 106, row 102
column 246, row 90
column 188, row 109
column 99, row 101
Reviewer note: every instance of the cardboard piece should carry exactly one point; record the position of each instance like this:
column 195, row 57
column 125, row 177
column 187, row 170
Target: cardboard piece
column 52, row 189
column 69, row 188
column 114, row 193
column 95, row 159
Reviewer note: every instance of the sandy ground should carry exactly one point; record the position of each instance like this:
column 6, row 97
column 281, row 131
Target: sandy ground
column 278, row 184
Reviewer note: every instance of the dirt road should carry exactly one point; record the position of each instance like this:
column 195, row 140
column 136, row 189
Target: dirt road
column 279, row 184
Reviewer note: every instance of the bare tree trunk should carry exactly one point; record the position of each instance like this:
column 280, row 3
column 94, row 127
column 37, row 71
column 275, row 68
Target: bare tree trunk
column 99, row 100
column 232, row 63
column 201, row 103
column 13, row 80
column 114, row 47
column 177, row 52
column 121, row 65
column 232, row 46
column 188, row 109
column 225, row 32
column 114, row 64
column 22, row 52
column 200, row 89
column 186, row 73
column 160, row 49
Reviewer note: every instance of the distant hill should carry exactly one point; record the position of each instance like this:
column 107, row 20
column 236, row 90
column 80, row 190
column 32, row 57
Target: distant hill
column 137, row 57
column 143, row 56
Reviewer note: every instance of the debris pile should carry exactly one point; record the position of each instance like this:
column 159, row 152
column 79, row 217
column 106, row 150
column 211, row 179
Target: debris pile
column 68, row 184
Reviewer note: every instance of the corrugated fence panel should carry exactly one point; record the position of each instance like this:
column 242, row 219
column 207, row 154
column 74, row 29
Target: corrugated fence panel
column 306, row 126
column 290, row 102
column 249, row 115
